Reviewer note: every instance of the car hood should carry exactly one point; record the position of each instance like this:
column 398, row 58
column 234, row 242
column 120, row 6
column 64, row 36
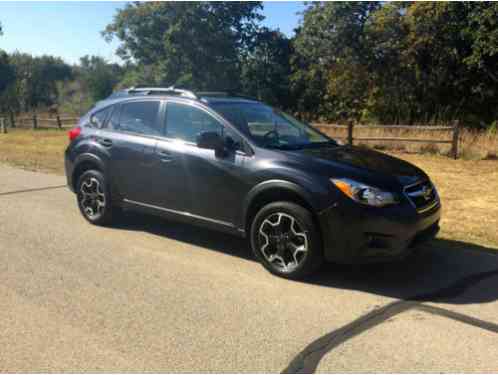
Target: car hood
column 362, row 161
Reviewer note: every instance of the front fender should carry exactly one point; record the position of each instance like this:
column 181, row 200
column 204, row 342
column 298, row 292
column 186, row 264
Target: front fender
column 303, row 193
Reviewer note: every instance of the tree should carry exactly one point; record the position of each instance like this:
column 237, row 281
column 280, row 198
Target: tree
column 7, row 73
column 6, row 70
column 35, row 81
column 330, row 42
column 482, row 29
column 138, row 75
column 7, row 77
column 266, row 68
column 195, row 44
column 399, row 62
column 98, row 76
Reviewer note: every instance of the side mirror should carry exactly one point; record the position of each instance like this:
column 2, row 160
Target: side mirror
column 210, row 140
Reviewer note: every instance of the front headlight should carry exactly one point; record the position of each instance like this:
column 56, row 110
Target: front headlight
column 364, row 194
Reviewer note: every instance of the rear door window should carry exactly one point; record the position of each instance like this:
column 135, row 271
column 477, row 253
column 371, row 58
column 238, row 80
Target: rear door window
column 140, row 118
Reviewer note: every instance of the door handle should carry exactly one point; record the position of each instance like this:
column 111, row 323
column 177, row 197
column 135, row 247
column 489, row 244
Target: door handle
column 164, row 156
column 105, row 142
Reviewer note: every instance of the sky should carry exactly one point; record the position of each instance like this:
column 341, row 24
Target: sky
column 72, row 29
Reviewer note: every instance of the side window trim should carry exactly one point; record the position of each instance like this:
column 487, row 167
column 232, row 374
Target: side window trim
column 162, row 118
column 117, row 111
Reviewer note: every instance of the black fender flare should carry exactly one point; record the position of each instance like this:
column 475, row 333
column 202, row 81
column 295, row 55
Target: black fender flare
column 87, row 158
column 272, row 184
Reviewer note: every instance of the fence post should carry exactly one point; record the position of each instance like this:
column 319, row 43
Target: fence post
column 350, row 132
column 35, row 121
column 12, row 120
column 456, row 134
column 59, row 123
column 3, row 127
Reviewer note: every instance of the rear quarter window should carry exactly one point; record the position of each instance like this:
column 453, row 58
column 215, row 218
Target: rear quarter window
column 99, row 118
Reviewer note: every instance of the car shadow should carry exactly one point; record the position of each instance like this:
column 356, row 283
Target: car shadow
column 441, row 270
column 187, row 233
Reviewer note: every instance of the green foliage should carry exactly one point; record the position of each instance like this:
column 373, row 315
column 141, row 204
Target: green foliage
column 140, row 75
column 194, row 44
column 266, row 69
column 408, row 62
column 493, row 128
column 7, row 73
column 98, row 76
column 73, row 98
column 332, row 56
column 34, row 83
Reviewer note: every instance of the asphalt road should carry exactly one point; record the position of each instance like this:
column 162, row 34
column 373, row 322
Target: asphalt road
column 152, row 295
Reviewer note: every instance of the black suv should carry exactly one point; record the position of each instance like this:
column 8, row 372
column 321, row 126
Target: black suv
column 237, row 165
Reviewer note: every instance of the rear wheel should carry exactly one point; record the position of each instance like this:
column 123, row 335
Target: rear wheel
column 94, row 199
column 286, row 241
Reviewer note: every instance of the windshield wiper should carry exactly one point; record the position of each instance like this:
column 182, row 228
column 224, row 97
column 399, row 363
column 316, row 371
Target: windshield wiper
column 321, row 144
column 286, row 147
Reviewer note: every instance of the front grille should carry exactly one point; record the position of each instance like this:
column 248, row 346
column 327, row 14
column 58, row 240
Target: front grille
column 422, row 196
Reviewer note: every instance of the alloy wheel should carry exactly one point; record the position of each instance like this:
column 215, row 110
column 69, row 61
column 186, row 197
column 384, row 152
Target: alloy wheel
column 283, row 242
column 92, row 198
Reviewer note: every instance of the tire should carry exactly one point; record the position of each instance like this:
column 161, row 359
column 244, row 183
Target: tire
column 94, row 199
column 279, row 248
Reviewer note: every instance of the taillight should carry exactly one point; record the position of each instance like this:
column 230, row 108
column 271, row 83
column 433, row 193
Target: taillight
column 74, row 132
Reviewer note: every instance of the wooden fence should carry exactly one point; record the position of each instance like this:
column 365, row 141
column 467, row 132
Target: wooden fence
column 38, row 122
column 453, row 131
column 35, row 122
column 3, row 126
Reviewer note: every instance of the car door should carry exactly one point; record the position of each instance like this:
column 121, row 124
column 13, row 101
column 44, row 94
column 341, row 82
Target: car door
column 169, row 189
column 214, row 182
column 131, row 137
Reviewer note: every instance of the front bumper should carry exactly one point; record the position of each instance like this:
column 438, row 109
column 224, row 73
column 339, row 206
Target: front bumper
column 358, row 234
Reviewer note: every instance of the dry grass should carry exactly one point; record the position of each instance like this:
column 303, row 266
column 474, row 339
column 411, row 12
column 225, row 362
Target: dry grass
column 468, row 188
column 34, row 149
column 469, row 194
column 473, row 144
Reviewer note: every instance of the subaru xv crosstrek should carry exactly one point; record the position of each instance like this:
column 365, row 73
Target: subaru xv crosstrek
column 236, row 165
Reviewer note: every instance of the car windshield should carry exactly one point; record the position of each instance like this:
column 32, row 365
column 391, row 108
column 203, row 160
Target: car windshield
column 269, row 127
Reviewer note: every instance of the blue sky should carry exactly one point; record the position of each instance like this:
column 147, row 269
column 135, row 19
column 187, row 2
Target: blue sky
column 72, row 29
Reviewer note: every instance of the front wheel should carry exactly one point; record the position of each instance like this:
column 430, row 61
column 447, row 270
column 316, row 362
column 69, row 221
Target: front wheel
column 286, row 241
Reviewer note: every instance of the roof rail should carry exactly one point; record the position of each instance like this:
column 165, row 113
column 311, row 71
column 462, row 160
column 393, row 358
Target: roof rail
column 222, row 94
column 244, row 96
column 162, row 90
column 212, row 93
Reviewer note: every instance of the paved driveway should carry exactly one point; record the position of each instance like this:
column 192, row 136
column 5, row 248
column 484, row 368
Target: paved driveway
column 151, row 295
